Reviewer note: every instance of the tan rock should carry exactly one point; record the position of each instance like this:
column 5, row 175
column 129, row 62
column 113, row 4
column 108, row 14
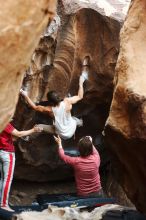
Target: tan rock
column 126, row 125
column 21, row 24
column 114, row 9
column 81, row 34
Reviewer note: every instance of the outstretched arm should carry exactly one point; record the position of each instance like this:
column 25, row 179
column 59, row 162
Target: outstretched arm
column 39, row 108
column 78, row 97
column 17, row 133
column 65, row 158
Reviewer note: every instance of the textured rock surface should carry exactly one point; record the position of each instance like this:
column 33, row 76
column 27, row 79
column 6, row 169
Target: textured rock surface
column 126, row 125
column 60, row 213
column 105, row 212
column 85, row 33
column 56, row 64
column 116, row 9
column 21, row 23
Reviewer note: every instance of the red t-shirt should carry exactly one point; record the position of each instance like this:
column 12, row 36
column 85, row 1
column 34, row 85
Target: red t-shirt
column 6, row 142
column 86, row 171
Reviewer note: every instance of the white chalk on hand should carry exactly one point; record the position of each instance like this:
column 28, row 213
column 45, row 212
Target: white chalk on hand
column 23, row 92
column 83, row 77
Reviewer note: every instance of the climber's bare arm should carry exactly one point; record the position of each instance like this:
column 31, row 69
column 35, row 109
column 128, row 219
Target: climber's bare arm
column 39, row 108
column 78, row 97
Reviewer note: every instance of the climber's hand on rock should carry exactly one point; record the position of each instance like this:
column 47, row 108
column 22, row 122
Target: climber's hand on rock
column 22, row 92
column 83, row 77
column 81, row 80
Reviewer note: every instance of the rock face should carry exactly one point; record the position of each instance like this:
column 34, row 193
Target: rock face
column 21, row 23
column 56, row 65
column 126, row 125
column 81, row 34
column 111, row 8
column 108, row 211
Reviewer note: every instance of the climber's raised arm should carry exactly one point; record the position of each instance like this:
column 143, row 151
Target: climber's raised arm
column 78, row 97
column 83, row 77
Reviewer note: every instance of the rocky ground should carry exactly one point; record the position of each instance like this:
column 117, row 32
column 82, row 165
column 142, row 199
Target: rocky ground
column 24, row 193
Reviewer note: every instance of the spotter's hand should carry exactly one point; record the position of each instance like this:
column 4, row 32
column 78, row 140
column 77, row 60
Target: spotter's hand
column 58, row 140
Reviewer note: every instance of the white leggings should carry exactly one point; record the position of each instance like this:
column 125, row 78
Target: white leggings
column 7, row 164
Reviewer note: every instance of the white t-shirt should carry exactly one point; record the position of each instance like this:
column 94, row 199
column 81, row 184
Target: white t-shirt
column 65, row 124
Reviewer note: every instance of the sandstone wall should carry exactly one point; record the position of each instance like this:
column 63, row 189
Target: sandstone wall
column 80, row 34
column 21, row 24
column 56, row 65
column 126, row 125
column 110, row 8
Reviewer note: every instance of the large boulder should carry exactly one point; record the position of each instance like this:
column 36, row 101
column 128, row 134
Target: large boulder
column 126, row 126
column 21, row 24
column 83, row 33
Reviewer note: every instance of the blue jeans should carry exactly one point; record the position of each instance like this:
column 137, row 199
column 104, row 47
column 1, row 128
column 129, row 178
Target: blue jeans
column 7, row 164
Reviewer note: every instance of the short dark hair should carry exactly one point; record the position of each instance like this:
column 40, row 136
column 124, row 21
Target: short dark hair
column 53, row 98
column 85, row 146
